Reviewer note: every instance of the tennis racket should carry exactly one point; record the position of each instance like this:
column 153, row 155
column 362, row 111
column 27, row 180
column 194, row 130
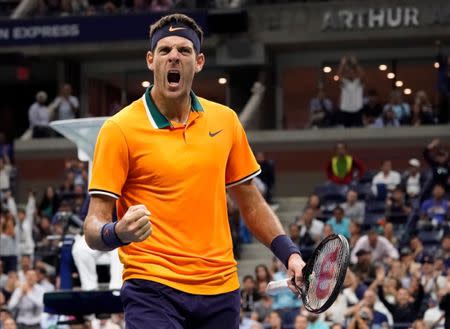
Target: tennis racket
column 323, row 275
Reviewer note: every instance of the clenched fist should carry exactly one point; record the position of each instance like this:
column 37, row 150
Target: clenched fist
column 135, row 225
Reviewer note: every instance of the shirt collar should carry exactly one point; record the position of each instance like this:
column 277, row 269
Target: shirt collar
column 156, row 118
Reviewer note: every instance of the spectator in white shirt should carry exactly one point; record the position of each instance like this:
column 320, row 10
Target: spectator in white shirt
column 309, row 226
column 354, row 209
column 386, row 179
column 28, row 302
column 352, row 90
column 39, row 116
column 379, row 246
column 65, row 106
column 5, row 173
column 412, row 178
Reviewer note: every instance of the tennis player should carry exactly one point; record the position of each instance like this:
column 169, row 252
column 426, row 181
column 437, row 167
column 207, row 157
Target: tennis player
column 165, row 161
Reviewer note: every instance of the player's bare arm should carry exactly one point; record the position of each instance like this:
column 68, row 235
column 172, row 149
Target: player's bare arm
column 263, row 223
column 135, row 225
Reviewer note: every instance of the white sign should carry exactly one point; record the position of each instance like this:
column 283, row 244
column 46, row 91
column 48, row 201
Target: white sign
column 370, row 18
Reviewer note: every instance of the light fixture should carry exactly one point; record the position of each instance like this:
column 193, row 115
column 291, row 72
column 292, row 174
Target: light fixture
column 336, row 78
column 327, row 69
column 145, row 84
column 383, row 67
column 407, row 91
column 436, row 65
column 222, row 81
column 390, row 75
column 398, row 83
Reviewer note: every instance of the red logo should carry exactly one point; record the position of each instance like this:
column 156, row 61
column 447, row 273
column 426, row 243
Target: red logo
column 326, row 274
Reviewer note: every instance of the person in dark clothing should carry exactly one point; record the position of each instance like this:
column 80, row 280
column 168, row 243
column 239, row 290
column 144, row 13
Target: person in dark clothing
column 438, row 160
column 445, row 306
column 403, row 311
column 372, row 109
column 267, row 175
column 249, row 294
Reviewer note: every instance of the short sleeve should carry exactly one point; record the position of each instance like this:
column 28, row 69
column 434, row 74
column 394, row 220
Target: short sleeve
column 241, row 164
column 111, row 160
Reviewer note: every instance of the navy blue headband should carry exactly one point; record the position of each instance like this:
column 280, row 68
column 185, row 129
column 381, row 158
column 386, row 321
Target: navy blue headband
column 178, row 29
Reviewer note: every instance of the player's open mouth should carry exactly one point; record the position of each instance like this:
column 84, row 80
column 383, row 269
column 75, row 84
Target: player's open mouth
column 173, row 77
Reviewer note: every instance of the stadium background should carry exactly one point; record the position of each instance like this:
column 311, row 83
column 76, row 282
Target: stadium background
column 266, row 60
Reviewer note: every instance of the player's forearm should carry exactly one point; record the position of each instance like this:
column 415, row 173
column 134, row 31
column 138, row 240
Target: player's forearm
column 92, row 231
column 261, row 220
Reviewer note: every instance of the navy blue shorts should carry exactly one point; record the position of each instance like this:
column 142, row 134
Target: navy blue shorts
column 149, row 304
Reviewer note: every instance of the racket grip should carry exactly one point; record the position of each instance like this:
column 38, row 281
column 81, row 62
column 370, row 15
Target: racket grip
column 275, row 287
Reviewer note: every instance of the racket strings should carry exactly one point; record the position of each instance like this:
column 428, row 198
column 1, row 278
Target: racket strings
column 325, row 274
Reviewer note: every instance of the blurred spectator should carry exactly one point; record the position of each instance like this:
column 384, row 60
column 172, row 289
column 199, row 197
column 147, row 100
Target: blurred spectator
column 343, row 168
column 24, row 225
column 310, row 228
column 401, row 109
column 389, row 233
column 396, row 204
column 364, row 269
column 50, row 203
column 434, row 317
column 438, row 159
column 314, row 203
column 65, row 106
column 25, row 265
column 5, row 172
column 11, row 284
column 321, row 110
column 245, row 322
column 262, row 309
column 314, row 322
column 372, row 109
column 443, row 253
column 267, row 175
column 327, row 231
column 104, row 322
column 8, row 244
column 301, row 322
column 444, row 305
column 416, row 248
column 340, row 222
column 6, row 148
column 362, row 319
column 355, row 233
column 38, row 116
column 379, row 246
column 436, row 209
column 352, row 89
column 406, row 308
column 27, row 302
column 379, row 318
column 9, row 323
column 294, row 233
column 431, row 280
column 353, row 208
column 275, row 321
column 249, row 294
column 422, row 110
column 262, row 274
column 42, row 279
column 387, row 119
column 412, row 179
column 3, row 276
column 386, row 180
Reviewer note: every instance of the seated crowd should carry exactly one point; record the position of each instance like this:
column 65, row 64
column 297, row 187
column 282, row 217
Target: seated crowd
column 398, row 228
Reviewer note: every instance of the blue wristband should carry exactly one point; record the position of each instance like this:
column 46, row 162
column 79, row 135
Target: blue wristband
column 283, row 247
column 109, row 236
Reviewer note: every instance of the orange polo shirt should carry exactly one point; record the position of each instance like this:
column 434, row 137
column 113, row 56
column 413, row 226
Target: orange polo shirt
column 179, row 172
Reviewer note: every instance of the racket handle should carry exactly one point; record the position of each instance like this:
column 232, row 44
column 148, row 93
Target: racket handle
column 275, row 287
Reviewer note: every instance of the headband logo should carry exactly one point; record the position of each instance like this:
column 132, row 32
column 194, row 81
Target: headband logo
column 173, row 29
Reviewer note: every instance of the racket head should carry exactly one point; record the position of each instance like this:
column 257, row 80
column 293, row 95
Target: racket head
column 324, row 273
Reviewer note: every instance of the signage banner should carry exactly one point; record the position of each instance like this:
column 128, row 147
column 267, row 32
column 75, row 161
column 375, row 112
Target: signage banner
column 59, row 30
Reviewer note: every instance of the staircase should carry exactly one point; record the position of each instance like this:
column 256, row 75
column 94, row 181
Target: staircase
column 256, row 253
